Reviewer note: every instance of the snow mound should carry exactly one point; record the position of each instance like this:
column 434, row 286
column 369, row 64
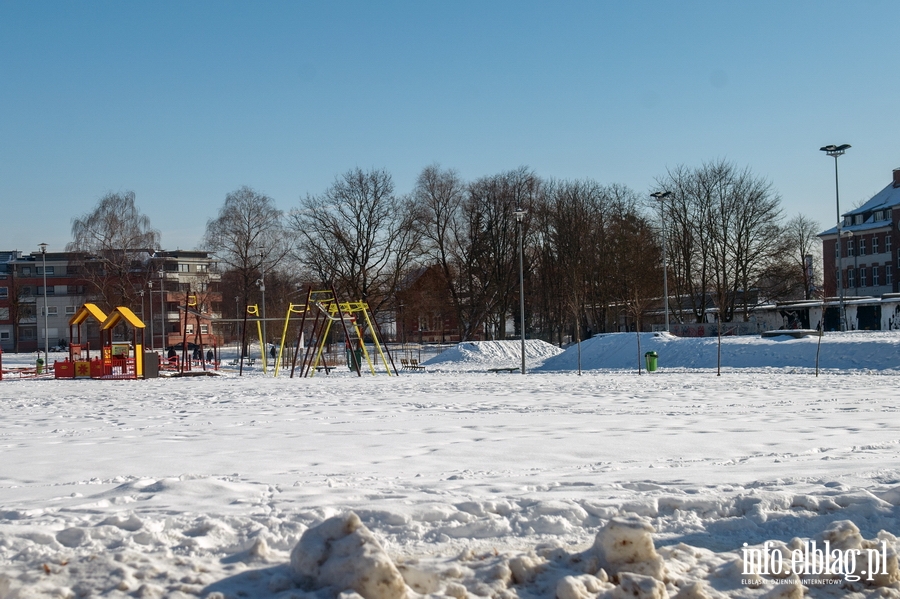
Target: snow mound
column 488, row 355
column 343, row 554
column 875, row 350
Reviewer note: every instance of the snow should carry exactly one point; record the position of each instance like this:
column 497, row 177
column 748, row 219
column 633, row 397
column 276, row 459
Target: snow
column 876, row 350
column 465, row 480
column 492, row 355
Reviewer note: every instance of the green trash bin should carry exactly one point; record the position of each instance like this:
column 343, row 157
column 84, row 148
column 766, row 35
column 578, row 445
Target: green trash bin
column 359, row 354
column 651, row 358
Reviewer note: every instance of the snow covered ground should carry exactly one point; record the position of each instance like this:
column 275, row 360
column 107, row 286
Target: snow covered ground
column 473, row 480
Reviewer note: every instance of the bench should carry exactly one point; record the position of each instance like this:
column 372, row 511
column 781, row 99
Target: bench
column 411, row 364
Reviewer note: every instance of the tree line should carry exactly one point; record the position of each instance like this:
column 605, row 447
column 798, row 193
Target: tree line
column 592, row 252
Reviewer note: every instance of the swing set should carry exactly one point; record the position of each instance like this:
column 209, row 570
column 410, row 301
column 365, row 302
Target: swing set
column 322, row 310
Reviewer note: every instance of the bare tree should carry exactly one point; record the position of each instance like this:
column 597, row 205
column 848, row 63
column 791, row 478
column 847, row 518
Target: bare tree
column 489, row 266
column 802, row 252
column 439, row 197
column 793, row 270
column 357, row 235
column 247, row 237
column 723, row 229
column 115, row 242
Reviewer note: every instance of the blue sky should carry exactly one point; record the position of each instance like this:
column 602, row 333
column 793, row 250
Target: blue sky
column 182, row 102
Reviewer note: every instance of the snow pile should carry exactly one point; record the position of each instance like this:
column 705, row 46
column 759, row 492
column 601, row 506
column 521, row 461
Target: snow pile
column 343, row 554
column 852, row 350
column 492, row 355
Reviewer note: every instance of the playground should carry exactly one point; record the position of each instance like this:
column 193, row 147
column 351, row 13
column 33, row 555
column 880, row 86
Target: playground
column 330, row 333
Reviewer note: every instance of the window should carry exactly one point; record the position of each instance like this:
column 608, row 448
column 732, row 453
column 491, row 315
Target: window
column 887, row 242
column 51, row 270
column 72, row 270
column 202, row 267
column 875, row 276
column 51, row 311
column 74, row 289
column 879, row 215
column 70, row 310
column 184, row 267
column 862, row 277
column 188, row 329
column 50, row 290
column 858, row 219
column 848, row 220
column 875, row 244
column 26, row 291
column 862, row 246
column 851, row 280
column 851, row 249
column 888, row 275
column 4, row 335
column 4, row 292
column 204, row 329
column 4, row 313
column 837, row 250
column 26, row 271
column 888, row 215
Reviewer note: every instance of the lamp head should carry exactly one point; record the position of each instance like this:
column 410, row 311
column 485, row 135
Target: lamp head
column 833, row 150
column 661, row 195
column 43, row 247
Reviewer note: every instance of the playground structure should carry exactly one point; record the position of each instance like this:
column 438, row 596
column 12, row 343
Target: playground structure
column 199, row 355
column 322, row 310
column 117, row 359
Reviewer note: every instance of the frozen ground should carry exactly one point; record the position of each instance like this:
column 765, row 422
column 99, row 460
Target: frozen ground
column 476, row 483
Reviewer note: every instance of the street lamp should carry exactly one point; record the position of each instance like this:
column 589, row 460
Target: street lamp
column 43, row 247
column 660, row 196
column 162, row 308
column 150, row 305
column 835, row 152
column 520, row 218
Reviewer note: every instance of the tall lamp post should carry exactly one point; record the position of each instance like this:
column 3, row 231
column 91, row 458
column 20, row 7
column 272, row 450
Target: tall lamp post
column 520, row 219
column 162, row 308
column 661, row 196
column 43, row 247
column 835, row 152
column 150, row 306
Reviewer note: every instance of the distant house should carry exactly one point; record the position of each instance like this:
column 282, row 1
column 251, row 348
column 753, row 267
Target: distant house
column 426, row 312
column 865, row 260
column 861, row 266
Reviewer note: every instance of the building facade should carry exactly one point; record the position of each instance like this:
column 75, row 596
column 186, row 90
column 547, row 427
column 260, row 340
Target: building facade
column 178, row 298
column 865, row 260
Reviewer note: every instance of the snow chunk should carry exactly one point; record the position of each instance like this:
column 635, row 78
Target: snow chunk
column 625, row 544
column 580, row 587
column 343, row 554
column 636, row 586
column 73, row 537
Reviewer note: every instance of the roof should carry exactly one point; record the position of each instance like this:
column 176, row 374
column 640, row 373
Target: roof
column 87, row 310
column 889, row 197
column 117, row 315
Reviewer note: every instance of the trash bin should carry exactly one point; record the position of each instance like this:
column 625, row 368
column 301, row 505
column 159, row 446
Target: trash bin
column 651, row 358
column 151, row 365
column 39, row 366
column 358, row 353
